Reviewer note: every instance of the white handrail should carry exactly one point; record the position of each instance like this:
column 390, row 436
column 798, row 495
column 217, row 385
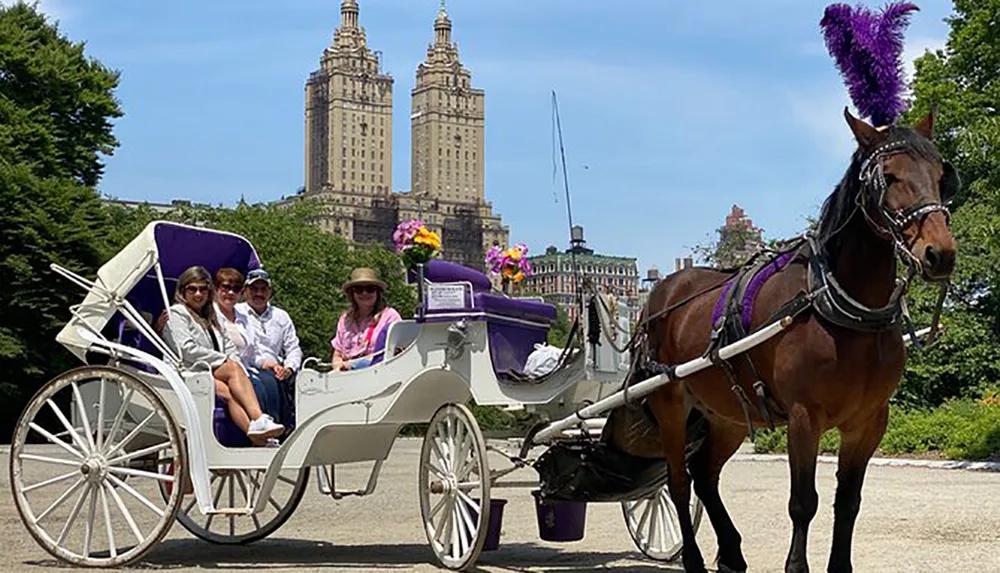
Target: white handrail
column 649, row 385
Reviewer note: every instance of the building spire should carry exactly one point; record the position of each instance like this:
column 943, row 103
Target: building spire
column 442, row 27
column 349, row 14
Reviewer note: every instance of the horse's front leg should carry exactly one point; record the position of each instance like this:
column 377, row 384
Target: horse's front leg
column 858, row 441
column 667, row 405
column 803, row 443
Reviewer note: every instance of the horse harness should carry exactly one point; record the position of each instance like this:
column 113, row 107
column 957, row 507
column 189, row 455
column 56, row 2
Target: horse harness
column 822, row 295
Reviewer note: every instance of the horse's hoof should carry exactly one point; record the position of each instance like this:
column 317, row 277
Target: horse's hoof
column 726, row 569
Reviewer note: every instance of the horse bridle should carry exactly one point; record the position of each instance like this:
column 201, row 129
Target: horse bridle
column 874, row 185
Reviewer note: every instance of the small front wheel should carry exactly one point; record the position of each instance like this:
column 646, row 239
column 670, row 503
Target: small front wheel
column 454, row 487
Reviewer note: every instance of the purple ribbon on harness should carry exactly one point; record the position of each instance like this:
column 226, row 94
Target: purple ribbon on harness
column 753, row 288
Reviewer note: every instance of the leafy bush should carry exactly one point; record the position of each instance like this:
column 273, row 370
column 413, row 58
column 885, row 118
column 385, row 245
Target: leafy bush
column 960, row 429
column 767, row 441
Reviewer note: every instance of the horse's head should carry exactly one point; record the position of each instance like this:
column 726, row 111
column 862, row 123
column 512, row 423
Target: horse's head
column 905, row 190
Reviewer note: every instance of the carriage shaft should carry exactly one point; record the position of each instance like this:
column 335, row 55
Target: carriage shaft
column 649, row 385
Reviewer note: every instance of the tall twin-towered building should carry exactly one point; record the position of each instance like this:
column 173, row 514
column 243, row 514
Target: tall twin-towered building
column 348, row 154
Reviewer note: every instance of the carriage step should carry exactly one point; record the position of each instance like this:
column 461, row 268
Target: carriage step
column 231, row 511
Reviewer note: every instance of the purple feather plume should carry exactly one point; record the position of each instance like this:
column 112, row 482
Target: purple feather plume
column 867, row 48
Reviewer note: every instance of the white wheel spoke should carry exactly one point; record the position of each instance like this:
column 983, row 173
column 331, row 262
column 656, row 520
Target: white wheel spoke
column 61, row 499
column 100, row 420
column 72, row 516
column 119, row 416
column 440, row 455
column 140, row 453
column 89, row 525
column 51, row 481
column 131, row 435
column 437, row 507
column 468, row 485
column 107, row 518
column 69, row 427
column 48, row 435
column 48, row 460
column 141, row 498
column 84, row 419
column 460, row 539
column 125, row 512
column 142, row 473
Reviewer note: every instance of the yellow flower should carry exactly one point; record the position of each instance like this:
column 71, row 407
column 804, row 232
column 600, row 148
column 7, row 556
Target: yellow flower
column 425, row 237
column 514, row 254
column 519, row 277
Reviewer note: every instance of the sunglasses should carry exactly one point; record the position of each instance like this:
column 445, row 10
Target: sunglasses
column 229, row 287
column 194, row 289
column 366, row 289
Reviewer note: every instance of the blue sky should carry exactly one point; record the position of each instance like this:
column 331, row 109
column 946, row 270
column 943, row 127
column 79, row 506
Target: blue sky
column 671, row 111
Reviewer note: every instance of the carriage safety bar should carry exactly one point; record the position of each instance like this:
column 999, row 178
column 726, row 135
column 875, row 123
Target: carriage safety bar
column 649, row 385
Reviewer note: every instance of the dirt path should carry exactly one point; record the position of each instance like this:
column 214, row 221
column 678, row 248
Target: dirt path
column 912, row 519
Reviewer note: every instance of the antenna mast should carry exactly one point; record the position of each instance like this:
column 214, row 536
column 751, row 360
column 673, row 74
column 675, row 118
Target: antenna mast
column 569, row 208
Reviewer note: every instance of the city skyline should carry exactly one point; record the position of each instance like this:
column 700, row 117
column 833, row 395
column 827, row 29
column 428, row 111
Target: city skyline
column 670, row 113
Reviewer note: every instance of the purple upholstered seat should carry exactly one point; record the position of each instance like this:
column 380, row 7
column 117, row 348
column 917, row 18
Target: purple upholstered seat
column 438, row 271
column 532, row 310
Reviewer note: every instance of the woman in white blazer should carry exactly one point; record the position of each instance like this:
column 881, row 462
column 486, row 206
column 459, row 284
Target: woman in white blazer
column 194, row 332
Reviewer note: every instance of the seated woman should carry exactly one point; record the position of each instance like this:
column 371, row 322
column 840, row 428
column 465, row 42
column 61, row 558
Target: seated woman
column 228, row 287
column 360, row 325
column 193, row 332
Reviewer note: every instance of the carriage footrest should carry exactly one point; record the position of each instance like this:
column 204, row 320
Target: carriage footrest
column 596, row 471
column 231, row 511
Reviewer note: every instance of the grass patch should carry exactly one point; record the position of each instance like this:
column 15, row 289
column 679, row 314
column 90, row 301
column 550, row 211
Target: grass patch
column 962, row 429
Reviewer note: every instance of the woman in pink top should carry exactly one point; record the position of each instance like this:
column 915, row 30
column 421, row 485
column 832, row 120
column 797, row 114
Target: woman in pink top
column 359, row 326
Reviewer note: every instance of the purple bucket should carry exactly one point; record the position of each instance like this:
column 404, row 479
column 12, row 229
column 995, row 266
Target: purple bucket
column 496, row 521
column 560, row 520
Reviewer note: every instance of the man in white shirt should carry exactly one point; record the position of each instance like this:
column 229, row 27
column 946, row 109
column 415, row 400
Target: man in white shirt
column 277, row 353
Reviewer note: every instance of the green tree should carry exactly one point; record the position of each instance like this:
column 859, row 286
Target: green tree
column 734, row 246
column 962, row 83
column 56, row 106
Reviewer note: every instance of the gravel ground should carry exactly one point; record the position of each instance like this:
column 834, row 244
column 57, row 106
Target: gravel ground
column 912, row 519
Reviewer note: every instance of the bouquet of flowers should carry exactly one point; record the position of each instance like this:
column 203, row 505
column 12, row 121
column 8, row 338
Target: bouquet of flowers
column 415, row 243
column 511, row 264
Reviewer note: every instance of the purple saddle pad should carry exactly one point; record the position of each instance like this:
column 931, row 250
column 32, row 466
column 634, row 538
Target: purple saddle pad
column 753, row 288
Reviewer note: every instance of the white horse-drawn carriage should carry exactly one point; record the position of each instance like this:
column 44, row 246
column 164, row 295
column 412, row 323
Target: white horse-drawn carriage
column 106, row 456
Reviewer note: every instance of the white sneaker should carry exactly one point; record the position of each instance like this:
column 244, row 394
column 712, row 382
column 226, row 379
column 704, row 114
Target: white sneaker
column 264, row 427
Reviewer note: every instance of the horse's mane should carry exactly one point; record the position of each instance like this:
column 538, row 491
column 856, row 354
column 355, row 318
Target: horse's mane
column 840, row 207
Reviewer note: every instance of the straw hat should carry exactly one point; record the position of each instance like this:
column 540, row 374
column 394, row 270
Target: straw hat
column 363, row 276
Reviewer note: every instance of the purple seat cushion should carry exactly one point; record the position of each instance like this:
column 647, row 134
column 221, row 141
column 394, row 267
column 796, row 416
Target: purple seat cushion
column 438, row 271
column 515, row 308
column 226, row 432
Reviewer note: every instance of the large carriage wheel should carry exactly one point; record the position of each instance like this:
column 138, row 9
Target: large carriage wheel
column 89, row 493
column 653, row 524
column 231, row 488
column 454, row 487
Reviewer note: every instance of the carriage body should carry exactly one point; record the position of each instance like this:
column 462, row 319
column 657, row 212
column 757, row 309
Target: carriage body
column 466, row 343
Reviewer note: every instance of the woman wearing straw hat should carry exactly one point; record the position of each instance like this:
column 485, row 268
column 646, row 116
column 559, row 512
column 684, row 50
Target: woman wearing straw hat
column 360, row 325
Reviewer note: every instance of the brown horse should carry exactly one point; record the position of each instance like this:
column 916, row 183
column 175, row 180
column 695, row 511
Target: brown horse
column 836, row 366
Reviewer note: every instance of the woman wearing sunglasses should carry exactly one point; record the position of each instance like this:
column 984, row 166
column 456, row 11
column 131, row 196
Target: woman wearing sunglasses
column 194, row 333
column 360, row 325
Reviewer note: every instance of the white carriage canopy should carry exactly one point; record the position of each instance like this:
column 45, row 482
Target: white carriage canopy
column 133, row 275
